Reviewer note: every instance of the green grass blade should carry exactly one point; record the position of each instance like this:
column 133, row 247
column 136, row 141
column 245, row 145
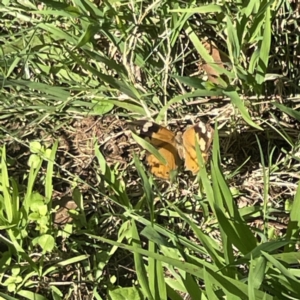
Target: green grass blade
column 294, row 222
column 257, row 271
column 7, row 297
column 49, row 173
column 30, row 295
column 234, row 287
column 206, row 241
column 139, row 263
column 209, row 287
column 233, row 41
column 148, row 147
column 236, row 100
column 211, row 8
column 290, row 111
column 119, row 85
column 292, row 281
column 15, row 201
column 161, row 284
column 264, row 49
column 7, row 201
column 194, row 94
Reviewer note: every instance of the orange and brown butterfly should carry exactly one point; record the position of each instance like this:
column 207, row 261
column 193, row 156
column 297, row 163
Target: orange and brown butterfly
column 174, row 147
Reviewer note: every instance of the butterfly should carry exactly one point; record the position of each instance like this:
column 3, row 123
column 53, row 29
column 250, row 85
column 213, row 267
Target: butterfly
column 174, row 147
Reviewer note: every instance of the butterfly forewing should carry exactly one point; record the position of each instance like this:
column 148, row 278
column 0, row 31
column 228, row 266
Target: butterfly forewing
column 204, row 134
column 157, row 133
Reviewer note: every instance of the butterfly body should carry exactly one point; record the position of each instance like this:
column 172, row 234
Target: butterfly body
column 174, row 147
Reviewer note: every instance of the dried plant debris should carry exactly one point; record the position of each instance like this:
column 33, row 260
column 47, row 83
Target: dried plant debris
column 63, row 206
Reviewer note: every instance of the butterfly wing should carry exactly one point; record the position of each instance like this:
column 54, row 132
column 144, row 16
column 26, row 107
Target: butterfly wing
column 203, row 135
column 159, row 169
column 164, row 141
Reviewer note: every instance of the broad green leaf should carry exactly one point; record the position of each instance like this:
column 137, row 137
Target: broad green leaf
column 35, row 147
column 34, row 161
column 290, row 258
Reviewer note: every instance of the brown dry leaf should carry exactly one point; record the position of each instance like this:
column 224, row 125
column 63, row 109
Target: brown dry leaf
column 214, row 52
column 62, row 216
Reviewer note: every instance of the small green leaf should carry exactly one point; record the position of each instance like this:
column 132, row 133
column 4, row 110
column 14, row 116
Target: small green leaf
column 34, row 161
column 125, row 293
column 46, row 242
column 15, row 271
column 35, row 147
column 47, row 153
column 43, row 209
column 35, row 203
column 11, row 287
column 113, row 279
column 34, row 216
column 102, row 107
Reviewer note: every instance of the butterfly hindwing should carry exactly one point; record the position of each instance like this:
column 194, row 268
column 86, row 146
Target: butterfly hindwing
column 164, row 141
